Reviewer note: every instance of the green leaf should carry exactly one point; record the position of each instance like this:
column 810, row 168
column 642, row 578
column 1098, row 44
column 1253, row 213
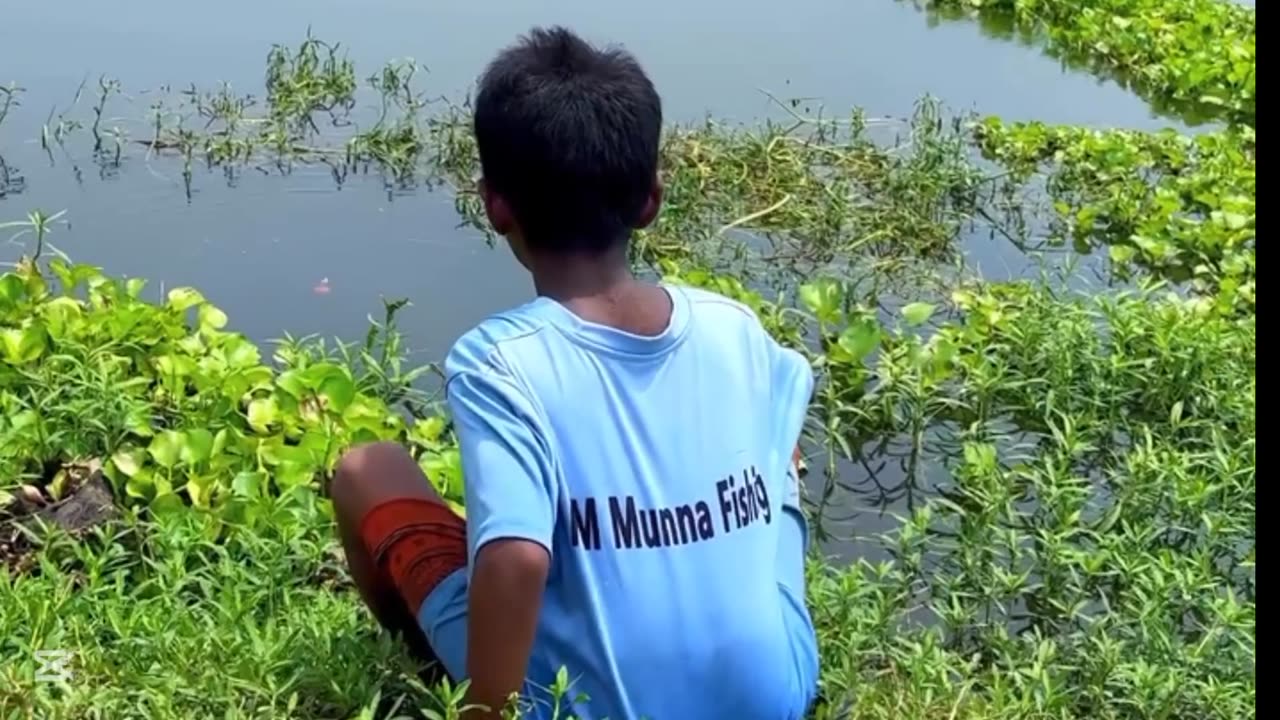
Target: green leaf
column 211, row 317
column 860, row 339
column 1234, row 220
column 823, row 298
column 241, row 353
column 167, row 503
column 141, row 484
column 166, row 448
column 129, row 461
column 290, row 381
column 12, row 289
column 249, row 483
column 259, row 377
column 36, row 286
column 562, row 679
column 192, row 345
column 294, row 474
column 62, row 315
column 1121, row 254
column 917, row 313
column 200, row 490
column 338, row 392
column 24, row 345
column 133, row 287
column 184, row 298
column 59, row 267
column 427, row 430
column 317, row 375
column 444, row 470
column 262, row 413
column 137, row 420
column 220, row 442
column 943, row 351
column 197, row 446
column 170, row 366
column 24, row 419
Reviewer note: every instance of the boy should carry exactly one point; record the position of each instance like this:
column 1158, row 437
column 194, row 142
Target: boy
column 632, row 511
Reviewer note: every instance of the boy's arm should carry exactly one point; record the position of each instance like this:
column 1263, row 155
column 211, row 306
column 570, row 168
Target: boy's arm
column 505, row 597
column 791, row 392
column 792, row 385
column 510, row 503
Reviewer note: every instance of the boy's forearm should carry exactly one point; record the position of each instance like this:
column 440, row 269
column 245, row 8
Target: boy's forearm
column 505, row 597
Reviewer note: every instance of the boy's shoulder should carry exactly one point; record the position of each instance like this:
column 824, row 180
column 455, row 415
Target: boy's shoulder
column 710, row 303
column 477, row 349
column 735, row 322
column 723, row 316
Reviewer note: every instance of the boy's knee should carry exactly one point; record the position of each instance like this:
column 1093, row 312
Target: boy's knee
column 357, row 472
column 359, row 460
column 367, row 474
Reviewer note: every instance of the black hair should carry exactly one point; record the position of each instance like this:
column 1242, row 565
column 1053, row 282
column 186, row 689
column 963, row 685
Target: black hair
column 568, row 135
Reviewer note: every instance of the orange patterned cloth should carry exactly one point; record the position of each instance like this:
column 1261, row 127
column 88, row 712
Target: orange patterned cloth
column 417, row 543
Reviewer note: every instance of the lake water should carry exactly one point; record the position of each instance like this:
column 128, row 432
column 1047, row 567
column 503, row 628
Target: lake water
column 258, row 249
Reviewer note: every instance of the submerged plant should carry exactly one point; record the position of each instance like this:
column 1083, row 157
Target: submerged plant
column 11, row 181
column 9, row 95
column 312, row 78
column 38, row 225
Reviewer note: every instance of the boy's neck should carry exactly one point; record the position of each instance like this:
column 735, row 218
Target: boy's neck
column 603, row 290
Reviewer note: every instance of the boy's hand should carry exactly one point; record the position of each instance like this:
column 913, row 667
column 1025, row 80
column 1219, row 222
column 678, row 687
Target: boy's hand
column 505, row 597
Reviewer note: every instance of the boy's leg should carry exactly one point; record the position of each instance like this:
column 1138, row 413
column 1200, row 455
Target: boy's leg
column 401, row 541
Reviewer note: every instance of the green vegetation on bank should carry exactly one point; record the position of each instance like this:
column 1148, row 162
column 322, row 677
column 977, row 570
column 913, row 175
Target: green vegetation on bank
column 1198, row 54
column 1092, row 554
column 1076, row 472
column 179, row 409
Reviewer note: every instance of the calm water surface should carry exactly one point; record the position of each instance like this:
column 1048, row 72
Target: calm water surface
column 259, row 248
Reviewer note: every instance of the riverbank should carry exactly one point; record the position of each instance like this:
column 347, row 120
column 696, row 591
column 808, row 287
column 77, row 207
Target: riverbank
column 1103, row 495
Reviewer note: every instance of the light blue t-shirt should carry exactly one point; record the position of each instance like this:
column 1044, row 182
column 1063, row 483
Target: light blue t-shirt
column 656, row 470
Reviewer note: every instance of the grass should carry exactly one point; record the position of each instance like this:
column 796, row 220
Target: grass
column 1074, row 469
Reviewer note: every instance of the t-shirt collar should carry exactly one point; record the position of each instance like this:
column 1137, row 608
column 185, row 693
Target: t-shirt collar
column 614, row 340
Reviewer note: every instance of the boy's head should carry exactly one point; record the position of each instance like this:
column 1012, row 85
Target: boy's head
column 568, row 137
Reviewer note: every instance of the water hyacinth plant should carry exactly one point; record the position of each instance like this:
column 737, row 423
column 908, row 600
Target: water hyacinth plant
column 180, row 410
column 1189, row 55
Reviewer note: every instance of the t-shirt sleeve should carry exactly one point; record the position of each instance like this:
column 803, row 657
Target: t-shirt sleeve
column 792, row 380
column 507, row 477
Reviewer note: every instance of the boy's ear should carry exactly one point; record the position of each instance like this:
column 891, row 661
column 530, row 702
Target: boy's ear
column 652, row 205
column 496, row 209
